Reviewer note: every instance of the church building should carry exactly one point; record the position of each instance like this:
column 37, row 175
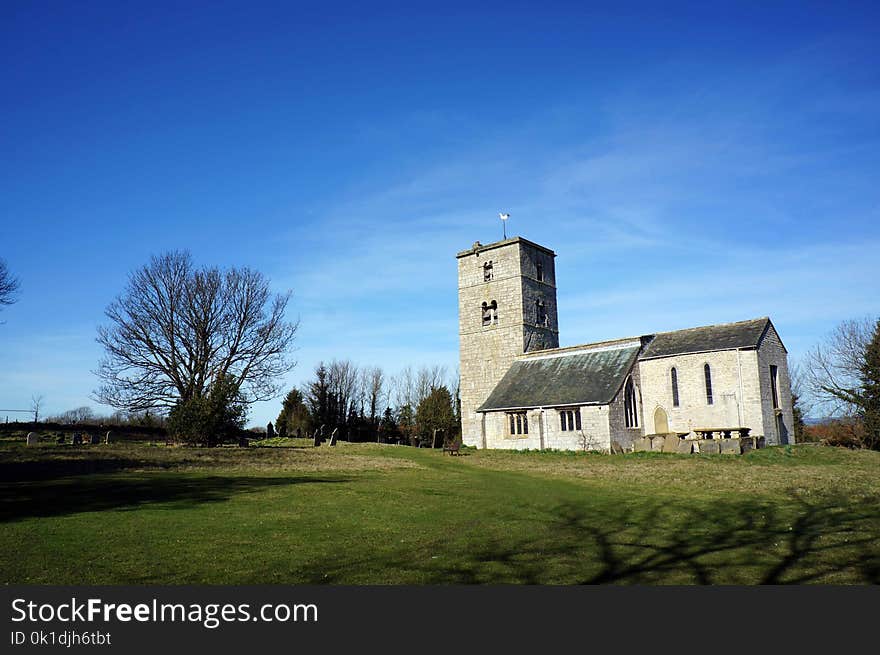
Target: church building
column 520, row 390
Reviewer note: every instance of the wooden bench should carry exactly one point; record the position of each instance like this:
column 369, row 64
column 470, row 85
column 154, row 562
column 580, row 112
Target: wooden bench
column 452, row 448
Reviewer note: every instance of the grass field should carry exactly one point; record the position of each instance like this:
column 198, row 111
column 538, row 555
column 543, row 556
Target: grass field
column 370, row 514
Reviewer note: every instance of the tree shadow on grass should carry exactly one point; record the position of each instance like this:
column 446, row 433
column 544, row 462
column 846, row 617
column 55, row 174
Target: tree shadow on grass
column 103, row 493
column 813, row 540
column 51, row 469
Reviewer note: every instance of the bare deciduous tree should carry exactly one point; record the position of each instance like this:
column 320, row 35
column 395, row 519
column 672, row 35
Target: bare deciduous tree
column 372, row 380
column 343, row 379
column 831, row 371
column 176, row 328
column 8, row 286
column 76, row 415
column 36, row 406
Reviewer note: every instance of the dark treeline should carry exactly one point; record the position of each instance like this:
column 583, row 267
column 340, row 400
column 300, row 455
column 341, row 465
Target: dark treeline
column 365, row 404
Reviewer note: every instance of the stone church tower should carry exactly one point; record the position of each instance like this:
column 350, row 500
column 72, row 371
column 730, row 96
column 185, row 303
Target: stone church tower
column 506, row 307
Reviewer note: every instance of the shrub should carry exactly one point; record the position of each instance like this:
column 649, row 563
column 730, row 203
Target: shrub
column 211, row 419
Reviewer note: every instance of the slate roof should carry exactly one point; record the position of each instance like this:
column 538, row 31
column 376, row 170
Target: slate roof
column 573, row 377
column 594, row 373
column 729, row 336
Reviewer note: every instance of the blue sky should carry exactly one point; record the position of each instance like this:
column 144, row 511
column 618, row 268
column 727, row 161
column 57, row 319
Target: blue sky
column 690, row 164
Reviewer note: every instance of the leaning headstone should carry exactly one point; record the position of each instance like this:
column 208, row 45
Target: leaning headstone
column 616, row 448
column 95, row 439
column 32, row 439
column 730, row 446
column 670, row 443
column 685, row 446
column 333, row 436
column 642, row 444
column 709, row 447
column 107, row 437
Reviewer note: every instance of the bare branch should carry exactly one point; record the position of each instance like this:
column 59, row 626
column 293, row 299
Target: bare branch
column 175, row 329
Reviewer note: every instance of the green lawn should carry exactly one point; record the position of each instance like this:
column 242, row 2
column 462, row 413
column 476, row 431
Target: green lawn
column 371, row 514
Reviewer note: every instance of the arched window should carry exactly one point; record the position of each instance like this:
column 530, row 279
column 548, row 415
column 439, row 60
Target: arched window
column 541, row 317
column 490, row 313
column 708, row 372
column 674, row 376
column 539, row 271
column 630, row 407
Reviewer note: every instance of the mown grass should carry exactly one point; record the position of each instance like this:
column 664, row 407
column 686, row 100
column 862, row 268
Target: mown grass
column 371, row 514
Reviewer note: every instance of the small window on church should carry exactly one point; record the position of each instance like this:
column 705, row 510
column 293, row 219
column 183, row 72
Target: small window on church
column 541, row 317
column 490, row 313
column 487, row 271
column 774, row 385
column 674, row 375
column 570, row 419
column 630, row 406
column 708, row 373
column 519, row 423
column 539, row 272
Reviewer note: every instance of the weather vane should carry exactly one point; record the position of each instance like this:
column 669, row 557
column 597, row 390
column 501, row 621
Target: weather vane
column 504, row 218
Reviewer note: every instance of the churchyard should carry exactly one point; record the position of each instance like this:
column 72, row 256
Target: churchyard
column 141, row 512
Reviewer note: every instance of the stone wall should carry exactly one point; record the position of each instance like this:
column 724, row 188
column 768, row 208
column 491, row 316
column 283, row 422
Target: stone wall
column 545, row 430
column 735, row 391
column 623, row 435
column 772, row 352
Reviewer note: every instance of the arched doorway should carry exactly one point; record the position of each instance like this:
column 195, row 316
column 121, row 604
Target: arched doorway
column 661, row 421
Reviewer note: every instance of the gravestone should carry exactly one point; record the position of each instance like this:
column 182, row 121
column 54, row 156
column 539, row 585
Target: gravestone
column 685, row 447
column 747, row 443
column 317, row 438
column 642, row 444
column 77, row 439
column 657, row 443
column 107, row 437
column 95, row 439
column 616, row 448
column 243, row 442
column 670, row 443
column 333, row 436
column 32, row 439
column 708, row 447
column 730, row 447
column 760, row 442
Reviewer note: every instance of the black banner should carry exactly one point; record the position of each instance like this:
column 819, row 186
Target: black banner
column 288, row 618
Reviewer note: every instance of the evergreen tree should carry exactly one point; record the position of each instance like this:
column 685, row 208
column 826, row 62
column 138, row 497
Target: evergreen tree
column 798, row 416
column 870, row 392
column 388, row 430
column 322, row 403
column 294, row 414
column 212, row 418
column 406, row 421
column 436, row 412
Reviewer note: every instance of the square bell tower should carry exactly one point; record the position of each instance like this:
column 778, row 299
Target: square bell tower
column 506, row 307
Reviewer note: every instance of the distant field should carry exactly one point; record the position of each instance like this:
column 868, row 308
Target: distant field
column 372, row 514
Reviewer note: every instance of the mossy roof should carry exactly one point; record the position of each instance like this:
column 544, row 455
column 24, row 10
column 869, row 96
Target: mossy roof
column 580, row 377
